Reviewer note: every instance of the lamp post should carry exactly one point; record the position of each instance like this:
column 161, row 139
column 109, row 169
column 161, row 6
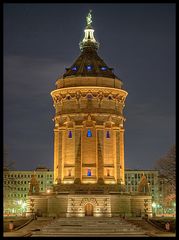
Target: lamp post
column 154, row 207
column 174, row 208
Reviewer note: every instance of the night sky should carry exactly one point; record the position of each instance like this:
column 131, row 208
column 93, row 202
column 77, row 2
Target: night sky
column 41, row 40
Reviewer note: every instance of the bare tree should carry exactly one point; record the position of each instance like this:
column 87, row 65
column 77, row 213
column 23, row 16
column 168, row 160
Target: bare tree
column 167, row 167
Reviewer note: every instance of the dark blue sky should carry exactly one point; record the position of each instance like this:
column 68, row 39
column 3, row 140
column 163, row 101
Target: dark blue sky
column 137, row 40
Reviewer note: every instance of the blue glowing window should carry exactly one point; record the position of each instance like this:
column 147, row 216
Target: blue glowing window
column 89, row 172
column 89, row 133
column 103, row 68
column 89, row 67
column 74, row 68
column 107, row 134
column 70, row 134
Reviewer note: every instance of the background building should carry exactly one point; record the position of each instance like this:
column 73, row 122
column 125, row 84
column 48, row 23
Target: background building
column 133, row 178
column 16, row 187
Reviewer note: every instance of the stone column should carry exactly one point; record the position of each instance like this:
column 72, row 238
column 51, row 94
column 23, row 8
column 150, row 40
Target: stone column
column 56, row 153
column 114, row 153
column 63, row 146
column 121, row 144
column 78, row 154
column 117, row 156
column 100, row 153
column 60, row 156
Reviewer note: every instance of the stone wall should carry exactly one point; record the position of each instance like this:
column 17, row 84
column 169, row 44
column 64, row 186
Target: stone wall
column 106, row 205
column 141, row 205
column 120, row 205
column 101, row 205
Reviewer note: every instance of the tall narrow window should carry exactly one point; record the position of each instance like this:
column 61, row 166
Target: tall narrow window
column 107, row 134
column 69, row 172
column 89, row 133
column 70, row 134
column 89, row 172
column 108, row 172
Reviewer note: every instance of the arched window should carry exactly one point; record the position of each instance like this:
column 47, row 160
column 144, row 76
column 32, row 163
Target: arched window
column 70, row 134
column 89, row 133
column 107, row 134
column 89, row 172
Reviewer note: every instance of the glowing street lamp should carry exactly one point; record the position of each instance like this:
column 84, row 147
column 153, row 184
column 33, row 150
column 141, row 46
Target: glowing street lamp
column 154, row 205
column 48, row 190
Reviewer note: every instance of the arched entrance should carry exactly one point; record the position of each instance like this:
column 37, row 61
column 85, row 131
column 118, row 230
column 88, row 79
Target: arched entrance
column 88, row 209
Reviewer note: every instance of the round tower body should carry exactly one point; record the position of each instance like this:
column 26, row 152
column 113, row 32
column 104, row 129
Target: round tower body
column 89, row 129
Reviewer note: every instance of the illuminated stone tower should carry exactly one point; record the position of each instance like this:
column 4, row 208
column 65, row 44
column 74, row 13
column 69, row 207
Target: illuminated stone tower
column 89, row 130
column 89, row 143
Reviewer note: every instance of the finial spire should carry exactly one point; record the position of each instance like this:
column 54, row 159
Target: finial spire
column 89, row 40
column 89, row 18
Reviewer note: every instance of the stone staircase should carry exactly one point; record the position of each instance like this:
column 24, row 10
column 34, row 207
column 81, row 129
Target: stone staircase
column 89, row 226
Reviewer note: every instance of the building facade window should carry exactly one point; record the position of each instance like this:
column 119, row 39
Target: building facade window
column 89, row 173
column 89, row 133
column 89, row 67
column 74, row 68
column 107, row 134
column 70, row 134
column 103, row 68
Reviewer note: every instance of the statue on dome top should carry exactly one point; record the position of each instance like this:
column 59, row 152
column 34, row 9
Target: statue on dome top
column 89, row 18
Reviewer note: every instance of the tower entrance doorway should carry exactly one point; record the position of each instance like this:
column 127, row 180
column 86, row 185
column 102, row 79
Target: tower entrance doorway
column 88, row 209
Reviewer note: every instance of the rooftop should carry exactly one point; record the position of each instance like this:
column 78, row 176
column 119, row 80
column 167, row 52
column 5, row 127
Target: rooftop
column 89, row 64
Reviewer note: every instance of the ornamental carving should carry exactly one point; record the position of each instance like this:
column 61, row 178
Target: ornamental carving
column 96, row 93
column 88, row 200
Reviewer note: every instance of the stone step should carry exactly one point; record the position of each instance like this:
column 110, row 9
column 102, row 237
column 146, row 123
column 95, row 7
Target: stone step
column 97, row 234
column 88, row 225
column 124, row 228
